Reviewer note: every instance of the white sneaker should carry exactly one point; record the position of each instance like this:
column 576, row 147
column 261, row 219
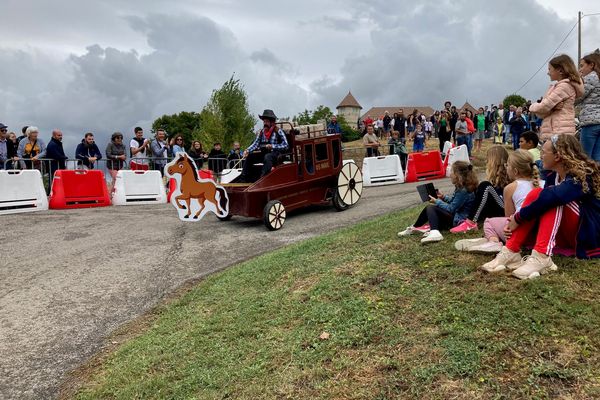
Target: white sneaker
column 408, row 231
column 432, row 236
column 487, row 248
column 466, row 244
column 535, row 265
column 505, row 259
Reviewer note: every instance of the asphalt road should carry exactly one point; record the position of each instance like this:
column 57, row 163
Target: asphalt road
column 68, row 279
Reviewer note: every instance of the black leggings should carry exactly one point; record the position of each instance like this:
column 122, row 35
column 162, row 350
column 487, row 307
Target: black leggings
column 438, row 219
column 488, row 203
column 444, row 137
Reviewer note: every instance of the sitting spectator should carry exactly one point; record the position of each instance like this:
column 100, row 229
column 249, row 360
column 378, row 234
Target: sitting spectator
column 371, row 142
column 56, row 153
column 217, row 159
column 333, row 127
column 177, row 144
column 399, row 148
column 235, row 155
column 115, row 156
column 524, row 175
column 88, row 152
column 564, row 217
column 139, row 150
column 3, row 145
column 31, row 148
column 197, row 154
column 447, row 211
column 529, row 141
column 160, row 151
column 419, row 138
column 488, row 198
column 11, row 150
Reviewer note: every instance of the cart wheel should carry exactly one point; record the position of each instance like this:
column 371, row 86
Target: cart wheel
column 274, row 215
column 349, row 185
column 338, row 203
column 225, row 218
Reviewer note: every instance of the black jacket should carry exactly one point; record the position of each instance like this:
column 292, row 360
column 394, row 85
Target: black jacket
column 55, row 151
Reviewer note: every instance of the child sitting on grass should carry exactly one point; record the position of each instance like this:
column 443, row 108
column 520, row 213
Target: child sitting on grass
column 444, row 212
column 524, row 175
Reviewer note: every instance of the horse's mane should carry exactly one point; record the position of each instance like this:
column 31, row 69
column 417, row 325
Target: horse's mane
column 192, row 166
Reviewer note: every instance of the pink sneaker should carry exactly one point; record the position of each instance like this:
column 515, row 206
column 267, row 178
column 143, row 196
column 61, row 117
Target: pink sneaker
column 423, row 229
column 465, row 226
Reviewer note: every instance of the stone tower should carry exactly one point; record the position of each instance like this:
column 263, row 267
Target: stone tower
column 350, row 110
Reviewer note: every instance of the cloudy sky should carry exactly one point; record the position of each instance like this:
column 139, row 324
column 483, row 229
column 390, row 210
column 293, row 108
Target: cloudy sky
column 110, row 65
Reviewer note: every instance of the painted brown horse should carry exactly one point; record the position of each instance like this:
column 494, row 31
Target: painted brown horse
column 192, row 187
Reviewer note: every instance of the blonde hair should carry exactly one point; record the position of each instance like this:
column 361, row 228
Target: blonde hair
column 522, row 162
column 565, row 65
column 495, row 168
column 577, row 164
column 465, row 176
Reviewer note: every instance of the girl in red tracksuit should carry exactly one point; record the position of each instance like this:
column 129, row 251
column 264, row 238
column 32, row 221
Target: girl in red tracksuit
column 563, row 217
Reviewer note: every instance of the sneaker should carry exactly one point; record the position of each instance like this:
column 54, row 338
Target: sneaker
column 432, row 236
column 505, row 259
column 535, row 265
column 466, row 244
column 423, row 229
column 465, row 226
column 408, row 231
column 487, row 248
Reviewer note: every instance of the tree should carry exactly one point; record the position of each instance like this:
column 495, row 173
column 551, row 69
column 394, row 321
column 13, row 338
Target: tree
column 185, row 123
column 307, row 117
column 348, row 134
column 515, row 100
column 226, row 117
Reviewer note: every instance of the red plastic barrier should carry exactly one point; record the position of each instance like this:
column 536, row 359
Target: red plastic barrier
column 424, row 166
column 204, row 174
column 79, row 189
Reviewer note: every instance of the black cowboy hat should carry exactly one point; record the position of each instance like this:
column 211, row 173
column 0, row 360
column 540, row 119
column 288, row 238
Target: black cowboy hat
column 268, row 114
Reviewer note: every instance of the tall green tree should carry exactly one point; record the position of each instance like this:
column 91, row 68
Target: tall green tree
column 226, row 117
column 186, row 123
column 515, row 100
column 308, row 117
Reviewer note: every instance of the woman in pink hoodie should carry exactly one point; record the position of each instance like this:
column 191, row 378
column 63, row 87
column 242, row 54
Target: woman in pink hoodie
column 557, row 106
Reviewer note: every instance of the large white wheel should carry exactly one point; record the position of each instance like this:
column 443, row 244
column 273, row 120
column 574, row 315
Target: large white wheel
column 274, row 215
column 349, row 184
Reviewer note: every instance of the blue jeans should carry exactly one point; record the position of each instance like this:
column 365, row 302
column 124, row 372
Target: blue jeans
column 470, row 143
column 515, row 140
column 462, row 139
column 590, row 141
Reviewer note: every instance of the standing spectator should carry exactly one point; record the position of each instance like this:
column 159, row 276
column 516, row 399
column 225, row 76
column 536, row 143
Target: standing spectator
column 379, row 126
column 498, row 131
column 500, row 114
column 435, row 120
column 11, row 150
column 480, row 128
column 444, row 134
column 23, row 134
column 333, row 127
column 139, row 150
column 178, row 145
column 419, row 138
column 31, row 148
column 399, row 125
column 371, row 142
column 470, row 129
column 557, row 106
column 115, row 155
column 197, row 154
column 488, row 123
column 87, row 151
column 160, row 151
column 517, row 127
column 56, row 153
column 3, row 145
column 411, row 122
column 387, row 124
column 367, row 121
column 462, row 132
column 507, row 117
column 453, row 118
column 428, row 125
column 235, row 155
column 589, row 116
column 217, row 159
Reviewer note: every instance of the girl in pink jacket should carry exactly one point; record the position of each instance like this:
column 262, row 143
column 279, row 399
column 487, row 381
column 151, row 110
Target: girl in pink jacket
column 557, row 106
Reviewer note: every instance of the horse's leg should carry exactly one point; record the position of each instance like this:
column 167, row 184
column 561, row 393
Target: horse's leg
column 201, row 200
column 180, row 197
column 189, row 209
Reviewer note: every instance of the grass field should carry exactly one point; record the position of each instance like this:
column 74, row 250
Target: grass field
column 361, row 314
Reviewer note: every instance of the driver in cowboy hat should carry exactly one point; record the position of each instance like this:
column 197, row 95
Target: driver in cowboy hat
column 268, row 144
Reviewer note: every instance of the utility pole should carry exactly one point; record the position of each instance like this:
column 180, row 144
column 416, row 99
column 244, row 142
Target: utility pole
column 579, row 39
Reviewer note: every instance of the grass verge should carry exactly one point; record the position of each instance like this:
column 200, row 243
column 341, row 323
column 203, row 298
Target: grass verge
column 360, row 314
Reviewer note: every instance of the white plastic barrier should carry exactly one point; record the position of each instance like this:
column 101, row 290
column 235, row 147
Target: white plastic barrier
column 22, row 191
column 384, row 170
column 447, row 146
column 460, row 153
column 228, row 175
column 138, row 187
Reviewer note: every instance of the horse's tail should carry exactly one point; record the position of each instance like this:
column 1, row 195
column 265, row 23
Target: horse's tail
column 222, row 200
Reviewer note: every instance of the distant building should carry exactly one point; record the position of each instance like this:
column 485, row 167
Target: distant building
column 468, row 106
column 350, row 110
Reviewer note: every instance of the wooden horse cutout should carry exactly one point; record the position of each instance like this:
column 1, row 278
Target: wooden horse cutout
column 191, row 186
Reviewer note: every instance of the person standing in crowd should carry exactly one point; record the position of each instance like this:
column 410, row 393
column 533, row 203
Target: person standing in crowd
column 56, row 153
column 87, row 151
column 453, row 118
column 462, row 131
column 399, row 125
column 3, row 145
column 498, row 131
column 371, row 142
column 444, row 134
column 480, row 128
column 589, row 103
column 178, row 144
column 197, row 154
column 11, row 150
column 217, row 159
column 518, row 125
column 387, row 124
column 23, row 134
column 419, row 138
column 139, row 150
column 160, row 151
column 333, row 126
column 235, row 154
column 379, row 126
column 428, row 127
column 508, row 115
column 557, row 107
column 367, row 121
column 31, row 149
column 115, row 156
column 563, row 217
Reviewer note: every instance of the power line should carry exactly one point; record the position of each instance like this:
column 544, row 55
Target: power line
column 548, row 59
